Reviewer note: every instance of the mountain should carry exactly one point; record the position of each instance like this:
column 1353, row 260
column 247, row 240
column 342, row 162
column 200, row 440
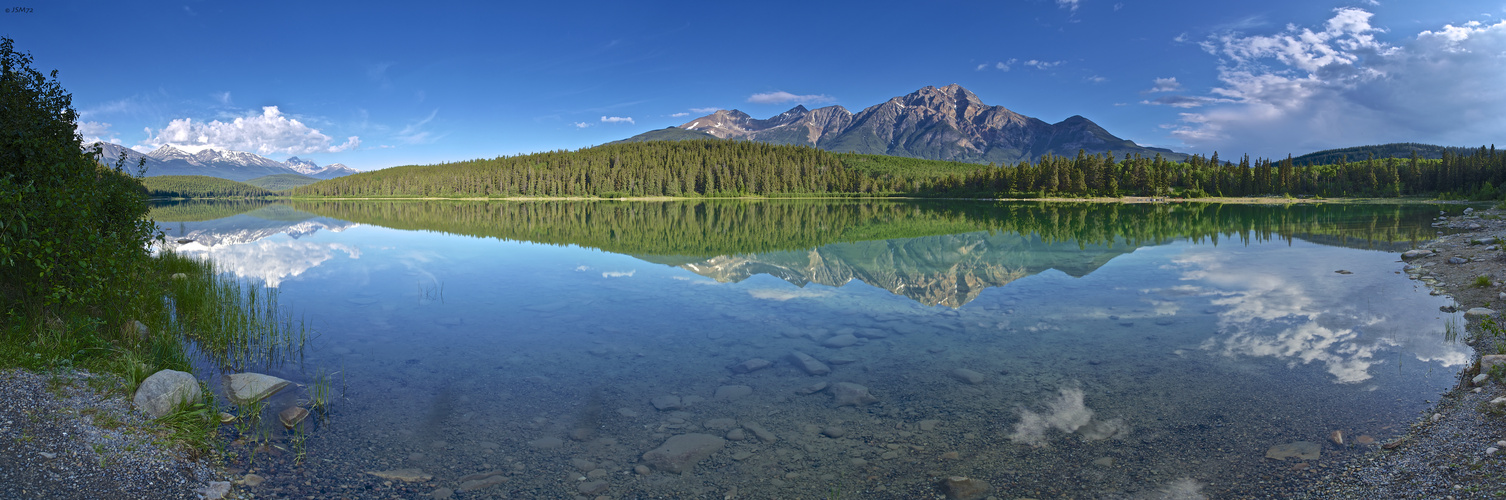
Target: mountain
column 949, row 270
column 233, row 165
column 1383, row 151
column 947, row 123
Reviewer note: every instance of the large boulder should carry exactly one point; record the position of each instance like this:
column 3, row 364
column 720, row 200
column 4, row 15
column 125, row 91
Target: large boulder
column 680, row 453
column 247, row 388
column 165, row 390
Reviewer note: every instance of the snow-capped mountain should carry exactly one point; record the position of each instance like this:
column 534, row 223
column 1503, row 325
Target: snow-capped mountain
column 233, row 165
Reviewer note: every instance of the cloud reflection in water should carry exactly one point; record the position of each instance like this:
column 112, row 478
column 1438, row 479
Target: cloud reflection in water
column 1300, row 311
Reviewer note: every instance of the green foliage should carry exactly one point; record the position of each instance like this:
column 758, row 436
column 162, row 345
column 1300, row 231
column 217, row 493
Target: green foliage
column 1482, row 281
column 200, row 186
column 712, row 168
column 72, row 231
column 706, row 228
column 1393, row 150
column 281, row 182
column 195, row 211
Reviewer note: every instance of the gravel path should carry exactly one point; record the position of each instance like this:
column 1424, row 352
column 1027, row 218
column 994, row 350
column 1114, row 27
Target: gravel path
column 1446, row 453
column 61, row 437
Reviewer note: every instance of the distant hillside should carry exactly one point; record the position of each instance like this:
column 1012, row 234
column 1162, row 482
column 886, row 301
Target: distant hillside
column 200, row 186
column 948, row 123
column 667, row 134
column 279, row 182
column 1393, row 150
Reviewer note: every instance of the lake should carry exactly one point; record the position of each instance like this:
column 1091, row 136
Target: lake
column 836, row 349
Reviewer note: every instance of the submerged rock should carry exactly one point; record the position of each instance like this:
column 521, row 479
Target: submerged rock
column 840, row 341
column 732, row 392
column 968, row 376
column 809, row 364
column 965, row 488
column 751, row 365
column 812, row 389
column 247, row 388
column 848, row 393
column 1305, row 450
column 405, row 475
column 164, row 390
column 292, row 416
column 680, row 453
column 667, row 403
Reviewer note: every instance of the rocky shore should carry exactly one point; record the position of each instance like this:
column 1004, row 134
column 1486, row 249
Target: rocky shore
column 72, row 435
column 1454, row 450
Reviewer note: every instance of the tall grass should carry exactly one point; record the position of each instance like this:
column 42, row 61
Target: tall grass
column 234, row 324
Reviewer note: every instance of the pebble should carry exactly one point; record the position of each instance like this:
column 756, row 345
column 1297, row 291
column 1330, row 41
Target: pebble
column 834, row 432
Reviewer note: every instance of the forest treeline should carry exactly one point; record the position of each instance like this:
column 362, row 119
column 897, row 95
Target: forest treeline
column 741, row 168
column 200, row 186
column 706, row 228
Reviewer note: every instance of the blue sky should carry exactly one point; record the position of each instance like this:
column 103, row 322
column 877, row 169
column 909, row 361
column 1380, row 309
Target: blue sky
column 372, row 84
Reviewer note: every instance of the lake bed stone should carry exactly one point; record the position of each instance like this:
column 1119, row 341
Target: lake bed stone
column 810, row 364
column 680, row 453
column 850, row 394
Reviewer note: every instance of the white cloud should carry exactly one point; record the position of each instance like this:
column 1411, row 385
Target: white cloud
column 581, row 124
column 223, row 98
column 705, row 110
column 617, row 119
column 1068, row 4
column 1304, row 89
column 782, row 97
column 266, row 133
column 1166, row 85
column 679, row 115
column 1097, row 79
column 1001, row 65
column 1043, row 64
column 95, row 132
column 413, row 133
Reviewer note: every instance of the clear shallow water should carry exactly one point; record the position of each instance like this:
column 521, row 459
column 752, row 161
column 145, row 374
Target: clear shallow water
column 1110, row 353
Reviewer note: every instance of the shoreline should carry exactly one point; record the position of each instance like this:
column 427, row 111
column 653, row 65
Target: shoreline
column 1247, row 200
column 1453, row 450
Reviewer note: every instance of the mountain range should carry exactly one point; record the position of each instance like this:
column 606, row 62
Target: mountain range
column 947, row 123
column 233, row 165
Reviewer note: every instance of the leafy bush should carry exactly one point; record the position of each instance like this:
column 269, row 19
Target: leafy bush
column 73, row 229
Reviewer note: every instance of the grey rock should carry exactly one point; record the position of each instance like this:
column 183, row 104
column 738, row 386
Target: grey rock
column 840, row 341
column 751, row 365
column 667, row 403
column 215, row 490
column 404, row 475
column 762, row 433
column 292, row 416
column 736, row 435
column 1480, row 379
column 1457, row 260
column 809, row 364
column 546, row 443
column 812, row 389
column 1489, row 361
column 1479, row 312
column 720, row 424
column 680, row 453
column 968, row 376
column 1304, row 450
column 247, row 388
column 442, row 494
column 732, row 392
column 834, row 432
column 850, row 394
column 164, row 390
column 592, row 487
column 965, row 488
column 1415, row 254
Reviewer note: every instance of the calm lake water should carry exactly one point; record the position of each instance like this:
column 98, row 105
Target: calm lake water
column 540, row 349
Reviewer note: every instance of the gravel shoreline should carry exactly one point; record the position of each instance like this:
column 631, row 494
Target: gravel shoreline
column 1446, row 453
column 68, row 435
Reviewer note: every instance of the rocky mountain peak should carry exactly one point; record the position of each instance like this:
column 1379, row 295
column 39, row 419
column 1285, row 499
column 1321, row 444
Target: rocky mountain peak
column 946, row 123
